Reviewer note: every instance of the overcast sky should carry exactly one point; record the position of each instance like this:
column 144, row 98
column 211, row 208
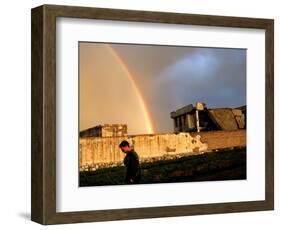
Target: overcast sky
column 140, row 85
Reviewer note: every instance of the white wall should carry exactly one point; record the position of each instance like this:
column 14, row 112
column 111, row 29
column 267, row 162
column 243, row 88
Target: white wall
column 15, row 113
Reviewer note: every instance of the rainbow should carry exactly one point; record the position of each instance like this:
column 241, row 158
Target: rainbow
column 147, row 117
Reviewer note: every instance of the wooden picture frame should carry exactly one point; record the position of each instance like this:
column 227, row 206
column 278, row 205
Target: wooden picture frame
column 43, row 169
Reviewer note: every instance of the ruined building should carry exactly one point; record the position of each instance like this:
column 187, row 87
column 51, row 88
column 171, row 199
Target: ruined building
column 106, row 130
column 99, row 145
column 199, row 118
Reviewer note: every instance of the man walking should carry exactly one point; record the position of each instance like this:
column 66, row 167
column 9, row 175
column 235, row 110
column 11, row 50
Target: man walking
column 131, row 161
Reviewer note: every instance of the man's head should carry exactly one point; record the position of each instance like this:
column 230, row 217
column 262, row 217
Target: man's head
column 125, row 146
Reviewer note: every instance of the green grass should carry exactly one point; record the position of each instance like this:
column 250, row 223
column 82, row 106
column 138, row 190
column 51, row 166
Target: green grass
column 222, row 165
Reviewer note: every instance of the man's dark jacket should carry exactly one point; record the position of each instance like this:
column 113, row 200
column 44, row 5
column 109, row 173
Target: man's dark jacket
column 133, row 172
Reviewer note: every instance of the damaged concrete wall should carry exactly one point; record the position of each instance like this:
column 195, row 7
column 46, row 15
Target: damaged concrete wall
column 106, row 149
column 224, row 139
column 99, row 149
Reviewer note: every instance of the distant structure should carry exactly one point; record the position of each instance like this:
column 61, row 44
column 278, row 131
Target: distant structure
column 199, row 118
column 106, row 130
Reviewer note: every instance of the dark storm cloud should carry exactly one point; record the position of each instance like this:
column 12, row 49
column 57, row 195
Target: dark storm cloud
column 172, row 77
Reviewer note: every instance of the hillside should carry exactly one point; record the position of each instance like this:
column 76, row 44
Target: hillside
column 219, row 165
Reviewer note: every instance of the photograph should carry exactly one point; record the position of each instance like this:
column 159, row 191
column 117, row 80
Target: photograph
column 175, row 108
column 151, row 113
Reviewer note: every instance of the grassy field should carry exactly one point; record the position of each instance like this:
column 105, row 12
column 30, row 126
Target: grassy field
column 221, row 165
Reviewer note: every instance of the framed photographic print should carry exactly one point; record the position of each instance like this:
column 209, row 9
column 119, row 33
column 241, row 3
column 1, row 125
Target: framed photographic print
column 139, row 114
